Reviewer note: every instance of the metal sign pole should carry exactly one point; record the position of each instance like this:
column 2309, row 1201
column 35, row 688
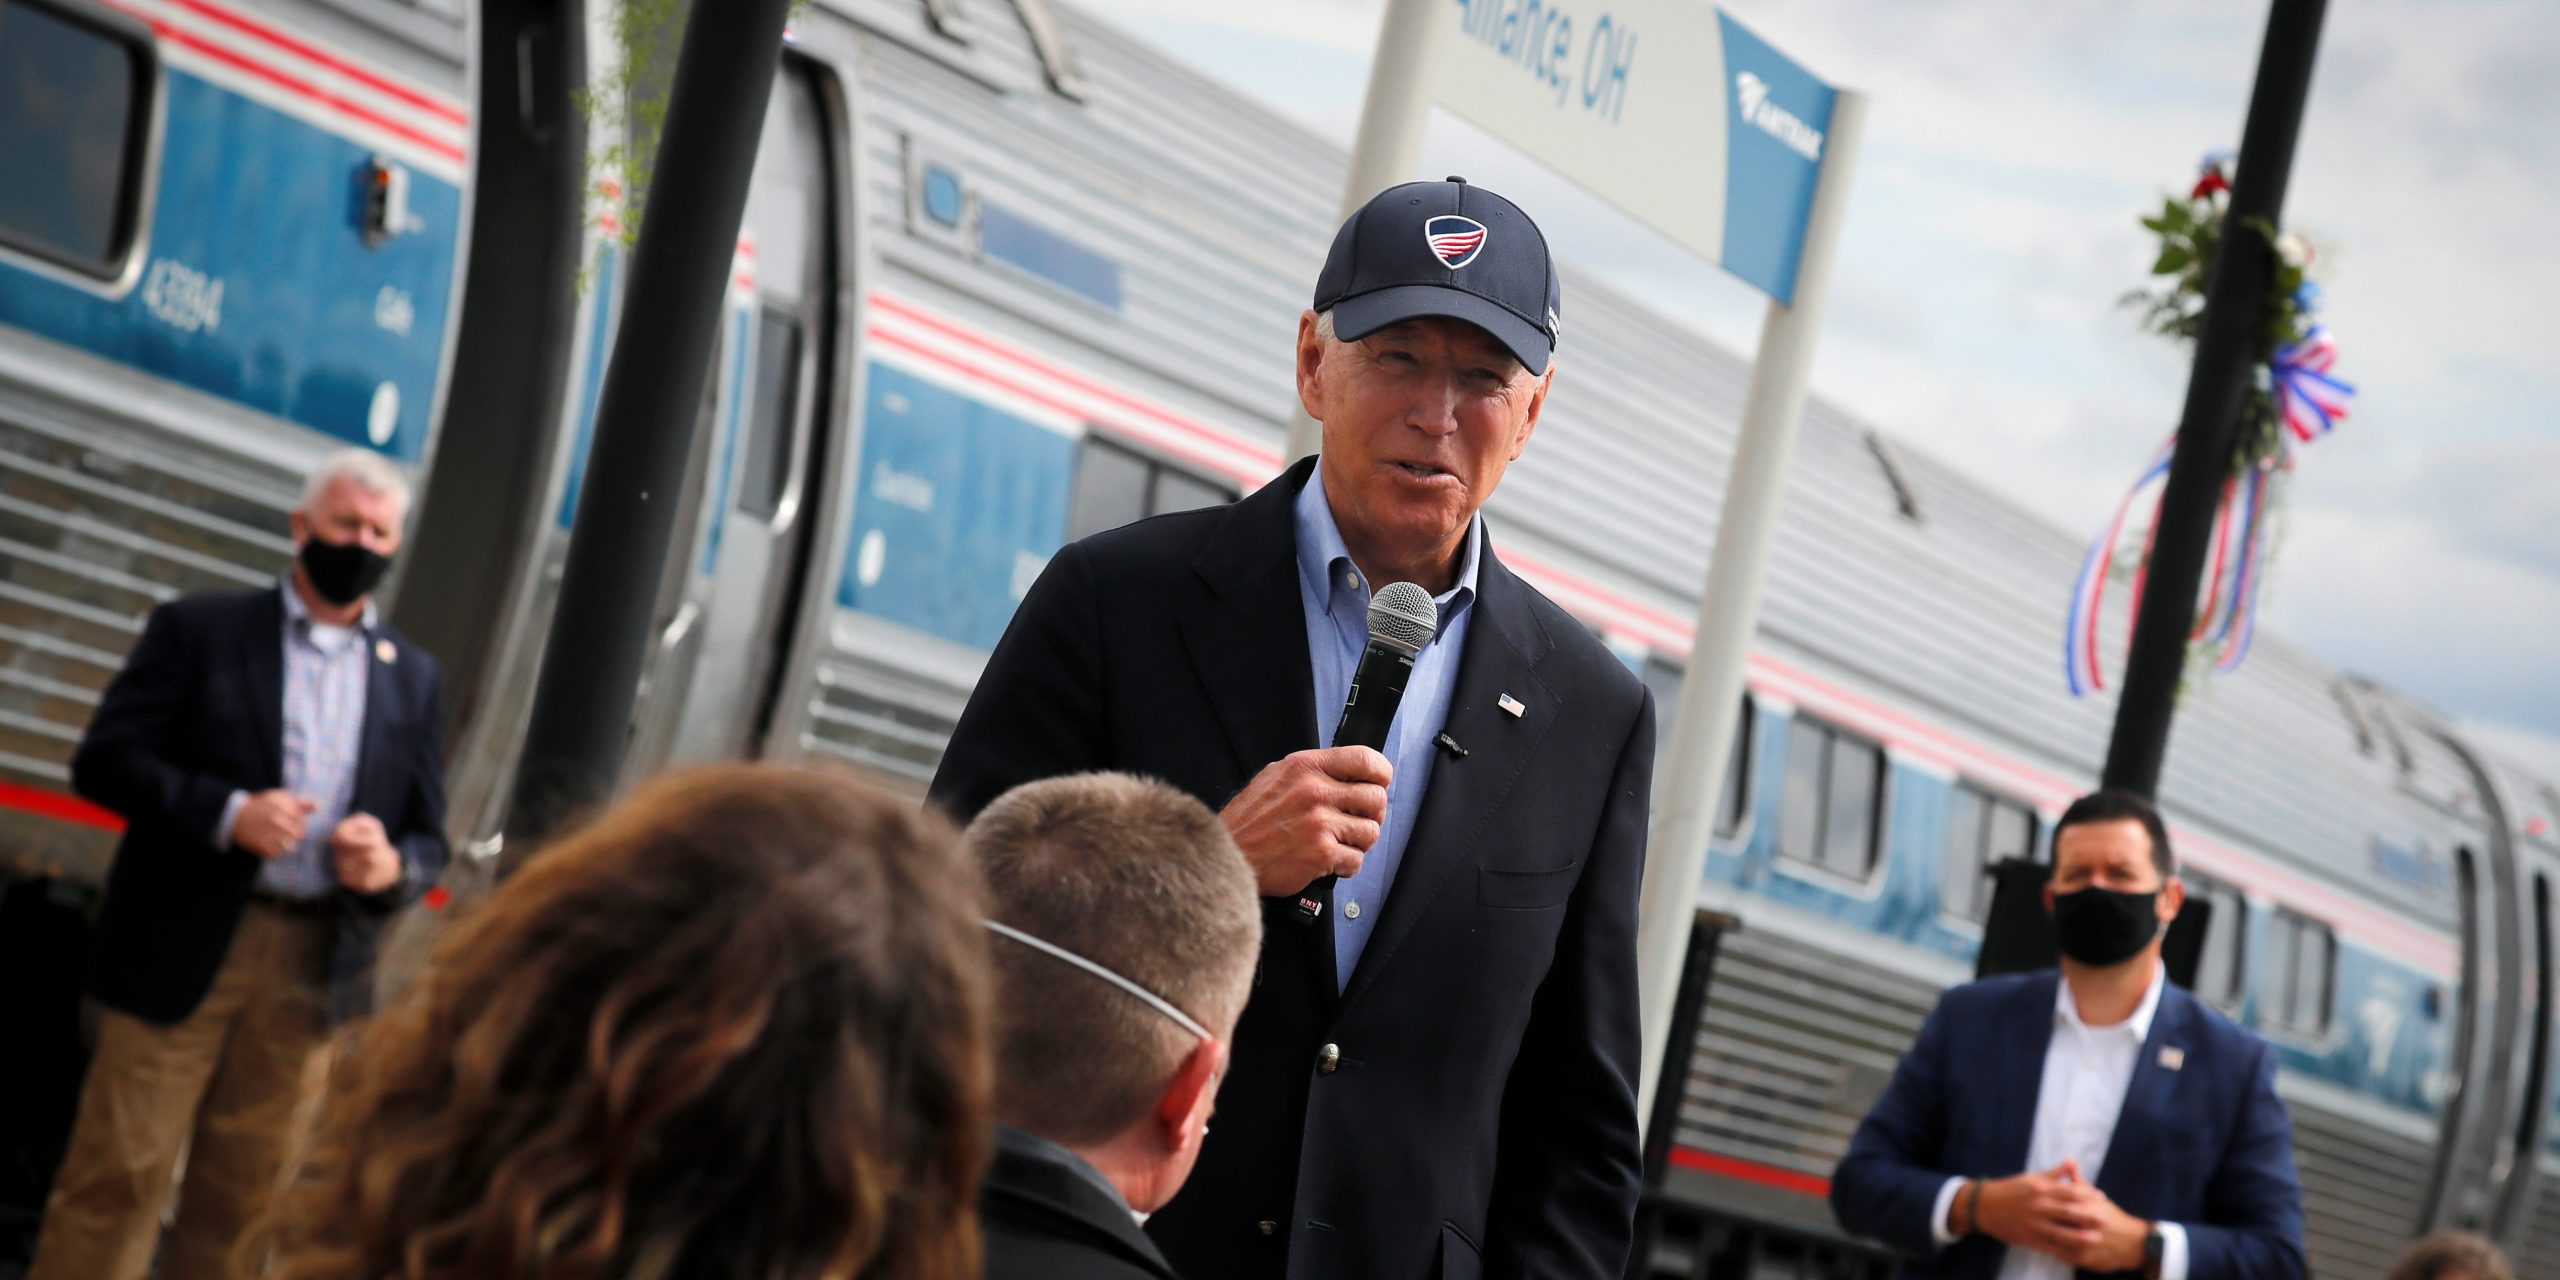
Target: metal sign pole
column 1689, row 783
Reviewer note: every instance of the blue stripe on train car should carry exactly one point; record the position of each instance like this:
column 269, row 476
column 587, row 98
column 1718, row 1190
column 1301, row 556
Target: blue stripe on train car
column 959, row 505
column 312, row 325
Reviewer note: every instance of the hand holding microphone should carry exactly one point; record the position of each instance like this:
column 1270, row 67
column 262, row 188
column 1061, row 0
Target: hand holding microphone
column 1308, row 817
column 1309, row 814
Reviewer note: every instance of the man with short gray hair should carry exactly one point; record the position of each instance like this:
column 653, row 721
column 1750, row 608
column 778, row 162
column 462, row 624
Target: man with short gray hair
column 274, row 754
column 1126, row 931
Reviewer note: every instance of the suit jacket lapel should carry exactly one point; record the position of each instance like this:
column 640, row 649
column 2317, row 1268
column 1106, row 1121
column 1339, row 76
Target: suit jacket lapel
column 2148, row 1095
column 1505, row 642
column 2019, row 1060
column 262, row 672
column 382, row 709
column 1249, row 645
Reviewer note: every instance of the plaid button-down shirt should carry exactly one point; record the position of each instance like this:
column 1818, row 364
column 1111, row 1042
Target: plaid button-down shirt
column 325, row 675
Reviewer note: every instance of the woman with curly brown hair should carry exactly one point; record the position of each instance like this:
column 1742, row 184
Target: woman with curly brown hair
column 736, row 1027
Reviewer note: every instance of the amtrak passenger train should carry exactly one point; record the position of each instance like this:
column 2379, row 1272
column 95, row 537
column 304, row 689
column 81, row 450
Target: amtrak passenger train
column 1009, row 276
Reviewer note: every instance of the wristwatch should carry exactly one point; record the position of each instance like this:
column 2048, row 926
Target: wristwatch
column 2155, row 1251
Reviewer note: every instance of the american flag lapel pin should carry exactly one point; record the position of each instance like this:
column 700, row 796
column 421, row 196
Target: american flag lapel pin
column 1510, row 706
column 2172, row 1057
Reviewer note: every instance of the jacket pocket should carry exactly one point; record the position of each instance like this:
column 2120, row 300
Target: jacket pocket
column 1526, row 890
column 1458, row 1257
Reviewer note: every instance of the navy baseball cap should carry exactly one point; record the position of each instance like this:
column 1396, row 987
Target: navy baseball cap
column 1444, row 249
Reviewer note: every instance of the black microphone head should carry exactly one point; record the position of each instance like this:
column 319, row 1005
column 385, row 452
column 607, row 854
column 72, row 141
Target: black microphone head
column 1402, row 617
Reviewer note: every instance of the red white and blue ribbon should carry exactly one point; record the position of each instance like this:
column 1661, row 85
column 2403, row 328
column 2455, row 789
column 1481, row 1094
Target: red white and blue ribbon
column 2089, row 593
column 2312, row 397
column 2312, row 400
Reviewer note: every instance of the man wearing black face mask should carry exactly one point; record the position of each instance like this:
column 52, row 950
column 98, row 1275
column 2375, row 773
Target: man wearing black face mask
column 2095, row 1121
column 274, row 756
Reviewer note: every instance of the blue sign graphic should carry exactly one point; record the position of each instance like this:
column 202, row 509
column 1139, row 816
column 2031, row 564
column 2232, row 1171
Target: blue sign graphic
column 1776, row 120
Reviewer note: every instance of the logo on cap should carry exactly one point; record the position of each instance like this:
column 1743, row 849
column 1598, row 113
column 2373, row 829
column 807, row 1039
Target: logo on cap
column 1455, row 241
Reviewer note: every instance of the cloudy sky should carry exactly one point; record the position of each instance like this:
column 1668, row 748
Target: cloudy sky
column 2011, row 147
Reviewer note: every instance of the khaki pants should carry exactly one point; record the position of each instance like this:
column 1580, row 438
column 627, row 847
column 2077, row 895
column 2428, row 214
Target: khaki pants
column 232, row 1087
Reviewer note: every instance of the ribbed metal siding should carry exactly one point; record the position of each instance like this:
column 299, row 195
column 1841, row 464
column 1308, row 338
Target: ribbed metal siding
column 1793, row 1046
column 98, row 524
column 2360, row 1191
column 2540, row 1255
column 879, row 716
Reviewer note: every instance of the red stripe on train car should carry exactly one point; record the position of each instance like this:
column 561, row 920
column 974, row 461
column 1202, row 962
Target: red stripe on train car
column 306, row 89
column 54, row 804
column 1016, row 387
column 1767, row 1175
column 315, row 53
column 294, row 85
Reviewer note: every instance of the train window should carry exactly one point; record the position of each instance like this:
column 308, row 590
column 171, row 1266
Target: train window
column 2223, row 965
column 75, row 112
column 1111, row 489
column 1833, row 805
column 1180, row 491
column 2315, row 958
column 1663, row 677
column 767, row 467
column 1737, row 774
column 1981, row 829
column 2304, row 954
column 1115, row 485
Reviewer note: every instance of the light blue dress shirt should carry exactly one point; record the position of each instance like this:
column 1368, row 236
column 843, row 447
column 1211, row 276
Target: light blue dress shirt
column 1336, row 596
column 325, row 673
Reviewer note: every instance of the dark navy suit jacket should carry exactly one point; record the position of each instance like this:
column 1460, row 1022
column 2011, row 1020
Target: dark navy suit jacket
column 1476, row 1117
column 197, row 713
column 2205, row 1144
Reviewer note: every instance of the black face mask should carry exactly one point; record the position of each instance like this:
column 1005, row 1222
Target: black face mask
column 2101, row 927
column 342, row 572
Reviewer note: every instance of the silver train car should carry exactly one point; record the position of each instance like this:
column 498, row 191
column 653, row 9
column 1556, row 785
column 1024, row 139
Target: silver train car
column 1009, row 276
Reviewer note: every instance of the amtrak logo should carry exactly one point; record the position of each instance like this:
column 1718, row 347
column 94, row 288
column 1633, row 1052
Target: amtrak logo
column 1776, row 121
column 1455, row 241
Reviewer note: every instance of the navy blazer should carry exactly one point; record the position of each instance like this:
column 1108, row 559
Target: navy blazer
column 1476, row 1117
column 1042, row 1221
column 2205, row 1143
column 196, row 714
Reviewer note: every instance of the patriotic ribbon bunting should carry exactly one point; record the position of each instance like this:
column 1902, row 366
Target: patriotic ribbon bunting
column 2312, row 400
column 2312, row 397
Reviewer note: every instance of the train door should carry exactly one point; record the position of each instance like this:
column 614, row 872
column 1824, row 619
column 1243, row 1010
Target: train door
column 754, row 550
column 2532, row 1103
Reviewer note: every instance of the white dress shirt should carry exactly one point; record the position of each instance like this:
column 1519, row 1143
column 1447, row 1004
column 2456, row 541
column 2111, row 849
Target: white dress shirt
column 2086, row 1072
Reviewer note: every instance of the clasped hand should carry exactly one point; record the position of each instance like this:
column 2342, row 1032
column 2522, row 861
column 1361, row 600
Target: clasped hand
column 2057, row 1212
column 1308, row 814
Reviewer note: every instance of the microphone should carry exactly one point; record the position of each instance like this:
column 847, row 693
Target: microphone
column 1402, row 619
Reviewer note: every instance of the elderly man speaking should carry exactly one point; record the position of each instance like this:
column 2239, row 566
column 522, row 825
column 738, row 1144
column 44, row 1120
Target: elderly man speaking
column 1435, row 1076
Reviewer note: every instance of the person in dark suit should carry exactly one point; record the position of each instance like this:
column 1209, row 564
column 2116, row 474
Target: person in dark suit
column 274, row 756
column 2091, row 1121
column 1126, row 933
column 1436, row 1076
